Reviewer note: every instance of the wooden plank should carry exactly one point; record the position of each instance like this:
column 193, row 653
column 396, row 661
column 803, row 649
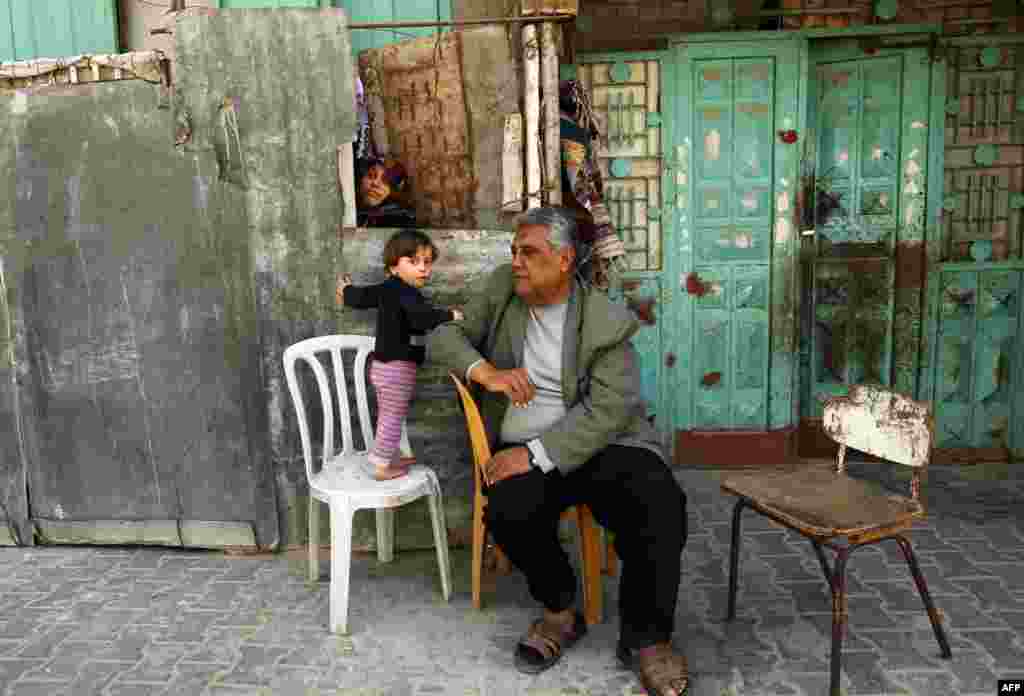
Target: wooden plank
column 347, row 182
column 552, row 126
column 531, row 103
column 512, row 164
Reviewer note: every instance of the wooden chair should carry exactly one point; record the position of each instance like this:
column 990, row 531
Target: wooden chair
column 589, row 532
column 841, row 513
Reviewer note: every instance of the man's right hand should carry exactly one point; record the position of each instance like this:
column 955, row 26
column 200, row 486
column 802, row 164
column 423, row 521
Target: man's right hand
column 515, row 383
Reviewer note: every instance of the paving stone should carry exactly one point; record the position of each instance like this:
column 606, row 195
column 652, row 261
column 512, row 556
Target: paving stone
column 927, row 683
column 1000, row 645
column 158, row 662
column 12, row 668
column 973, row 672
column 905, row 650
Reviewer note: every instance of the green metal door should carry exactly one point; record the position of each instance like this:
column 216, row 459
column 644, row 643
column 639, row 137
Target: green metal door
column 731, row 365
column 864, row 183
column 979, row 351
column 627, row 95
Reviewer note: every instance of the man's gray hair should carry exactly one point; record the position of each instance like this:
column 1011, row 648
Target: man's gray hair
column 561, row 226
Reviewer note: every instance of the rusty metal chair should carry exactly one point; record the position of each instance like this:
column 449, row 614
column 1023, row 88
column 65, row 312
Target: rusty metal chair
column 841, row 513
column 589, row 532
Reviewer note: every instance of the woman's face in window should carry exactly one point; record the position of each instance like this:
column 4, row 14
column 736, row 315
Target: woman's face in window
column 374, row 186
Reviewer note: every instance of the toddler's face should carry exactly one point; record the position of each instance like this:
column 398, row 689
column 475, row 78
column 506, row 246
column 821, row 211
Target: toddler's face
column 415, row 270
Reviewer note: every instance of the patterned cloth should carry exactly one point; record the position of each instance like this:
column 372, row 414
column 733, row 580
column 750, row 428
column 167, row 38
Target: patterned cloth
column 394, row 383
column 581, row 177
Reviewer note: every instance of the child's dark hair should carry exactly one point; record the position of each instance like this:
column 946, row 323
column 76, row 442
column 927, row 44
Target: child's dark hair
column 407, row 243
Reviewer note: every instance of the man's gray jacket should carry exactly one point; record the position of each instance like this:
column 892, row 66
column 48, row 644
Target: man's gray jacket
column 600, row 372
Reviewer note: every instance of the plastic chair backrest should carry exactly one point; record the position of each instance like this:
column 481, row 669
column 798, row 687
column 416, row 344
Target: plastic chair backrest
column 882, row 423
column 475, row 426
column 308, row 351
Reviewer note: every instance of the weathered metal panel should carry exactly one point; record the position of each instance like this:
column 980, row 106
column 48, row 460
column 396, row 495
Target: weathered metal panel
column 160, row 285
column 14, row 525
column 56, row 28
column 138, row 398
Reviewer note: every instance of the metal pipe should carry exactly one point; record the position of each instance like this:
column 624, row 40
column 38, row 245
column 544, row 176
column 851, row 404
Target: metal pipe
column 533, row 19
column 798, row 13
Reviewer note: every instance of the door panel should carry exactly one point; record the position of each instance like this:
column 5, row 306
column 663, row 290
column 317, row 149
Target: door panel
column 978, row 351
column 735, row 239
column 866, row 197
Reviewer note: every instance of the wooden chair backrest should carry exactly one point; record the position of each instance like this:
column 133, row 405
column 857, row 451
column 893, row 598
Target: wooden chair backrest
column 882, row 423
column 475, row 426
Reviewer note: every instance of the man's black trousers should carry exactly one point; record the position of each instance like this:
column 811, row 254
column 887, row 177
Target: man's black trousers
column 633, row 494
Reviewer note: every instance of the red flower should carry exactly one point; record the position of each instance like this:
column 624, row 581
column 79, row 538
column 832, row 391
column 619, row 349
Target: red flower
column 788, row 136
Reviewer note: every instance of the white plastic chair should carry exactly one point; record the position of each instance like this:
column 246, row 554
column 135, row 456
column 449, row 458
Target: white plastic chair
column 343, row 481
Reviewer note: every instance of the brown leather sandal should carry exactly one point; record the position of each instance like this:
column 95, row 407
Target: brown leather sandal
column 545, row 643
column 665, row 673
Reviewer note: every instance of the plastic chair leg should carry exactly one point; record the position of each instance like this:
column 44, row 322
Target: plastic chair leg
column 385, row 535
column 441, row 542
column 341, row 559
column 314, row 539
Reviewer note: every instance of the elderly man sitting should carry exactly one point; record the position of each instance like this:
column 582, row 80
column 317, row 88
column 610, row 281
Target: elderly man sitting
column 559, row 354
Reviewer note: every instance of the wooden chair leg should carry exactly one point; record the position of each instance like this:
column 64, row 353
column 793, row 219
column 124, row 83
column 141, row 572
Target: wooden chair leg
column 839, row 617
column 590, row 547
column 611, row 556
column 734, row 558
column 922, row 589
column 502, row 564
column 479, row 536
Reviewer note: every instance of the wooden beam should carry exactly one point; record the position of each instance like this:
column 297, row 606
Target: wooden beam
column 347, row 183
column 512, row 165
column 531, row 103
column 552, row 121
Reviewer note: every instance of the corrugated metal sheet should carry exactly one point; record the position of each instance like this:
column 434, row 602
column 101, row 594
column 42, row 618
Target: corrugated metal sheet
column 392, row 11
column 55, row 28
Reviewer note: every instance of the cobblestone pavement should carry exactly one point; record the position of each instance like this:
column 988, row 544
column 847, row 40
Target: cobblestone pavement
column 140, row 621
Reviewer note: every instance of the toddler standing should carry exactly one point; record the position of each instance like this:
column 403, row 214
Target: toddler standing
column 404, row 316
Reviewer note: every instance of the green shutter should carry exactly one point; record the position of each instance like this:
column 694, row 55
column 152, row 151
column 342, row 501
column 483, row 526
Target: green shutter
column 56, row 28
column 392, row 11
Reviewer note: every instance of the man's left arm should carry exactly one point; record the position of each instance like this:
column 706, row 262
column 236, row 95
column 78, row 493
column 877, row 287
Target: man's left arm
column 610, row 400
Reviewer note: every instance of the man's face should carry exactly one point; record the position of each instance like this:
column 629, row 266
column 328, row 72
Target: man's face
column 542, row 273
column 374, row 186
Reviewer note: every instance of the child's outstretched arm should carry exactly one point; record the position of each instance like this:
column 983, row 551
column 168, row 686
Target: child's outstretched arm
column 424, row 316
column 355, row 296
